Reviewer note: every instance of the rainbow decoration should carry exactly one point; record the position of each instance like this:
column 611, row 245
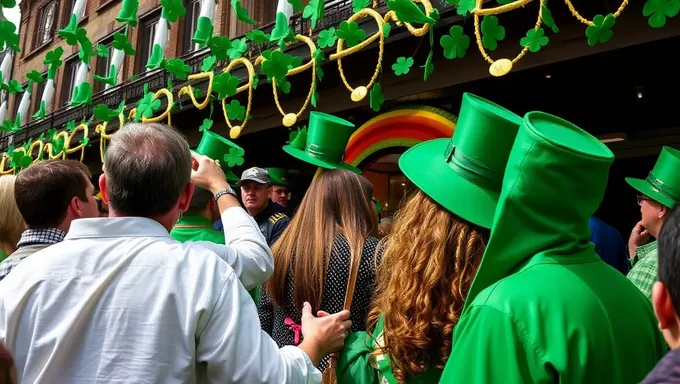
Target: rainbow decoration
column 401, row 127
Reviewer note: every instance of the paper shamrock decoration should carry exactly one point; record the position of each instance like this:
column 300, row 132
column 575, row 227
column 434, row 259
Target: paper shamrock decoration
column 241, row 13
column 258, row 36
column 104, row 113
column 72, row 34
column 20, row 159
column 315, row 11
column 238, row 48
column 172, row 10
column 71, row 126
column 208, row 63
column 121, row 43
column 601, row 31
column 408, row 12
column 8, row 36
column 535, row 39
column 8, row 3
column 10, row 125
column 659, row 10
column 455, row 44
column 296, row 4
column 147, row 106
column 128, row 12
column 53, row 61
column 207, row 124
column 235, row 111
column 358, row 5
column 234, row 157
column 492, row 32
column 548, row 18
column 327, row 38
column 82, row 95
column 225, row 85
column 402, row 66
column 177, row 68
column 34, row 77
column 12, row 87
column 57, row 145
column 41, row 112
column 282, row 32
column 219, row 47
column 277, row 64
column 351, row 33
column 377, row 98
column 102, row 50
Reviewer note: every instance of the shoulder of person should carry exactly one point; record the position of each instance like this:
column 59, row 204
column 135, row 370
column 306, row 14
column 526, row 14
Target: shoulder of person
column 278, row 217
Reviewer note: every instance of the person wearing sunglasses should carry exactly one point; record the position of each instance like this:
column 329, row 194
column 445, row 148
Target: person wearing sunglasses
column 658, row 194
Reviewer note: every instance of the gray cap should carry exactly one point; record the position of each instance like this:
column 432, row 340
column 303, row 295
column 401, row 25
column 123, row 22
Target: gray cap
column 258, row 175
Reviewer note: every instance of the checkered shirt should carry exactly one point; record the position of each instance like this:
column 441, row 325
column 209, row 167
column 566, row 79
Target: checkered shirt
column 644, row 272
column 30, row 237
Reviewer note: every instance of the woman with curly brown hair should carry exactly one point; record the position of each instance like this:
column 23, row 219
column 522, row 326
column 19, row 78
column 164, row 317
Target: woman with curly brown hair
column 432, row 255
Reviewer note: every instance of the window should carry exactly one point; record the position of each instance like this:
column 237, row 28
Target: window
column 147, row 31
column 68, row 80
column 190, row 25
column 36, row 97
column 48, row 14
column 68, row 11
column 103, row 65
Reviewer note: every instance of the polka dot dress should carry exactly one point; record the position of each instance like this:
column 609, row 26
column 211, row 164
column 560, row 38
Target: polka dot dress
column 272, row 317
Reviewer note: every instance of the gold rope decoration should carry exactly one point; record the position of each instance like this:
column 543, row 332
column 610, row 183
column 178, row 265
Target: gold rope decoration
column 235, row 131
column 587, row 22
column 418, row 32
column 289, row 119
column 80, row 147
column 101, row 129
column 62, row 154
column 360, row 93
column 188, row 90
column 168, row 108
column 3, row 162
column 501, row 67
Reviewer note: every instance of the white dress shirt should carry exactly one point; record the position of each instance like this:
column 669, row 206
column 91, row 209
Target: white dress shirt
column 119, row 301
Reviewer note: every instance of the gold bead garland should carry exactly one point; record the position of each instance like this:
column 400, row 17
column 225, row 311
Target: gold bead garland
column 235, row 131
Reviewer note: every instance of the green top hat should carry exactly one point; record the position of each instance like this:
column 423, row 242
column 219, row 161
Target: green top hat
column 223, row 150
column 464, row 173
column 278, row 176
column 555, row 180
column 324, row 143
column 663, row 182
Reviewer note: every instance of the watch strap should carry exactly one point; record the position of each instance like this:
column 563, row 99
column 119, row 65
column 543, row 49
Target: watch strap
column 224, row 192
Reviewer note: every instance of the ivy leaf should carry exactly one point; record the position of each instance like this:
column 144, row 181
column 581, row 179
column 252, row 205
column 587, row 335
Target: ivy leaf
column 235, row 111
column 225, row 85
column 535, row 40
column 548, row 17
column 351, row 33
column 455, row 44
column 208, row 63
column 601, row 31
column 327, row 38
column 207, row 124
column 102, row 50
column 315, row 11
column 659, row 10
column 121, row 43
column 172, row 10
column 238, row 48
column 241, row 13
column 358, row 5
column 258, row 36
column 177, row 68
column 408, row 12
column 429, row 66
column 492, row 32
column 234, row 157
column 219, row 47
column 402, row 66
column 387, row 28
column 9, row 36
column 376, row 97
column 147, row 106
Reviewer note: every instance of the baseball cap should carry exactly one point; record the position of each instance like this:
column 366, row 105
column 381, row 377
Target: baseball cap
column 258, row 175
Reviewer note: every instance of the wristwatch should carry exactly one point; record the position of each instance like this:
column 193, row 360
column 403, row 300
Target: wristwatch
column 224, row 192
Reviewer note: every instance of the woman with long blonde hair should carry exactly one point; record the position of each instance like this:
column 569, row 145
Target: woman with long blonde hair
column 331, row 231
column 11, row 222
column 432, row 255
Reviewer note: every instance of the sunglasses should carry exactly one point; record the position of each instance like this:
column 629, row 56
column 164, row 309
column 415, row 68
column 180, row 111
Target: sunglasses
column 641, row 198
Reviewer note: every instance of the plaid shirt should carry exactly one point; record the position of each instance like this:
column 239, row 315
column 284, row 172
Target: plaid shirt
column 644, row 272
column 30, row 237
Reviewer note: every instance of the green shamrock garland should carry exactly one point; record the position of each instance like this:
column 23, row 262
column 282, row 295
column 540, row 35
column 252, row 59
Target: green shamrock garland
column 492, row 32
column 147, row 106
column 327, row 38
column 351, row 33
column 535, row 39
column 601, row 30
column 455, row 44
column 225, row 85
column 402, row 66
column 659, row 10
column 234, row 157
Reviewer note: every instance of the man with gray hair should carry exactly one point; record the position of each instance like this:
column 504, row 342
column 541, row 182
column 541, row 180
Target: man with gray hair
column 120, row 301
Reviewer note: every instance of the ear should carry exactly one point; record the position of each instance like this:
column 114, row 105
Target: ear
column 185, row 197
column 663, row 211
column 663, row 306
column 102, row 188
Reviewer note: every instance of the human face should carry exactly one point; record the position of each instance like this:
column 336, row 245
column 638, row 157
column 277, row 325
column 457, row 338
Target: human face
column 280, row 194
column 88, row 208
column 255, row 196
column 651, row 212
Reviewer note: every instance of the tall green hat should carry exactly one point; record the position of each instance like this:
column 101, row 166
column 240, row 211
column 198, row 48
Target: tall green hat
column 464, row 173
column 223, row 150
column 324, row 143
column 278, row 176
column 663, row 182
column 555, row 180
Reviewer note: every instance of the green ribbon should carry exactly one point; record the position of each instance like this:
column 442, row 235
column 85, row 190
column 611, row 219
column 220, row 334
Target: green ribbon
column 472, row 170
column 310, row 149
column 662, row 188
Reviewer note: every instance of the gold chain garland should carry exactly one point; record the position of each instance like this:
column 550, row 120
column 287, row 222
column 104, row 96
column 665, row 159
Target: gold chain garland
column 235, row 131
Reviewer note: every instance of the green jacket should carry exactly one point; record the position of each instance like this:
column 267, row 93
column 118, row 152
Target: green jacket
column 198, row 228
column 356, row 365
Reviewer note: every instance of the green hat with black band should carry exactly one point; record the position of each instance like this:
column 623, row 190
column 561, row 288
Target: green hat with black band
column 464, row 173
column 223, row 150
column 278, row 176
column 663, row 183
column 323, row 143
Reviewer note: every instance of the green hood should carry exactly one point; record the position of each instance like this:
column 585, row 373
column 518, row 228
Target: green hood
column 555, row 180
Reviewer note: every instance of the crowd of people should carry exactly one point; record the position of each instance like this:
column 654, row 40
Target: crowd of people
column 493, row 269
